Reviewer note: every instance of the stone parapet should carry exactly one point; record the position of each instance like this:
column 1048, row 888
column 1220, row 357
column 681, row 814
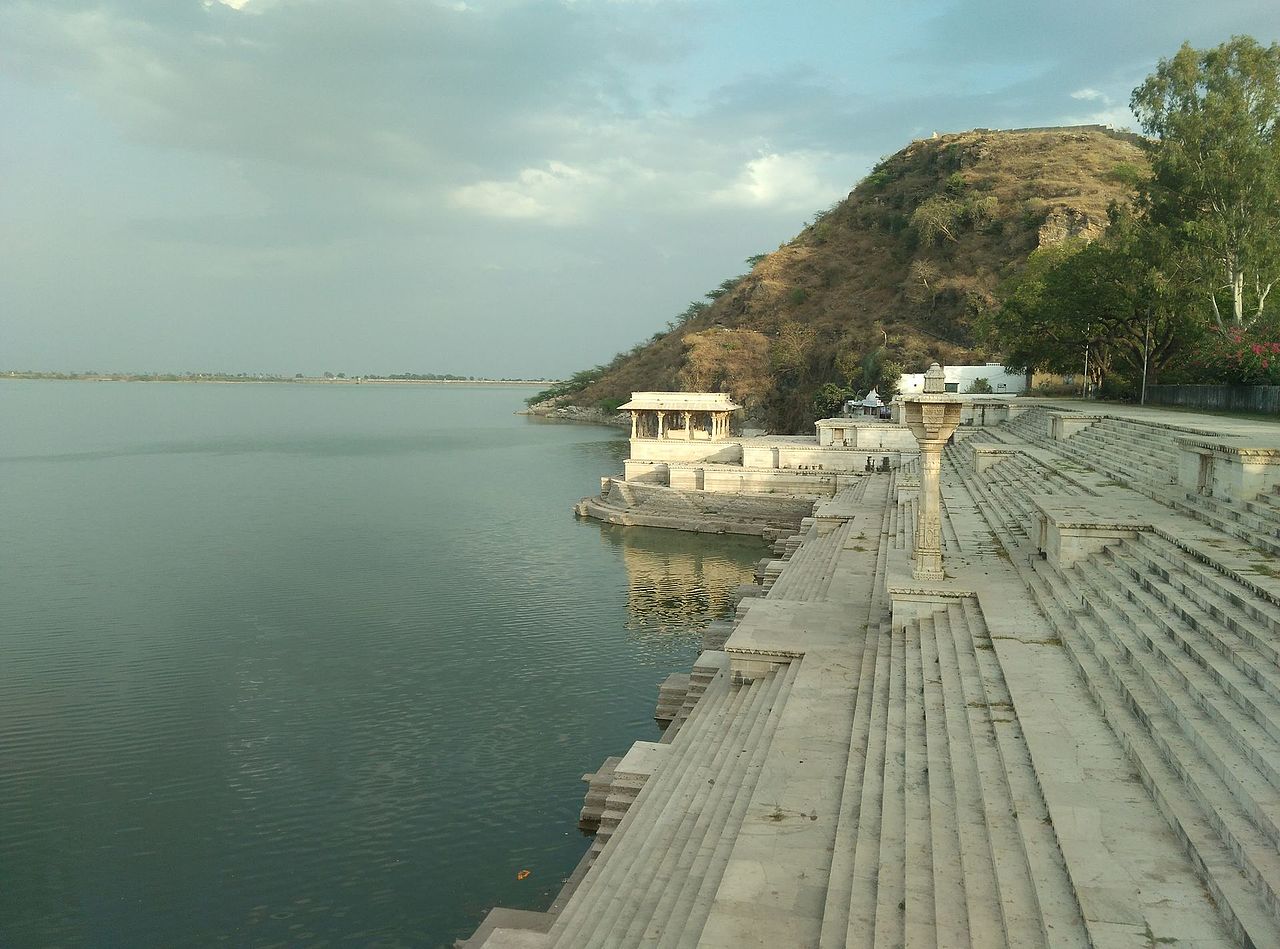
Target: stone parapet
column 1069, row 529
column 1230, row 468
column 1063, row 425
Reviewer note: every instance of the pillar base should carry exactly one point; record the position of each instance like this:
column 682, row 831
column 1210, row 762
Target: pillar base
column 927, row 573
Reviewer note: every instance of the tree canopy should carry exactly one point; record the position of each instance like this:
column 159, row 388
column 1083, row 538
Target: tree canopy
column 1180, row 283
column 1215, row 161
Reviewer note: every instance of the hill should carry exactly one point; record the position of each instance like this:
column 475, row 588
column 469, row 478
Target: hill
column 893, row 276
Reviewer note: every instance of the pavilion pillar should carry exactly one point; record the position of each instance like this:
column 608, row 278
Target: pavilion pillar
column 928, row 540
column 688, row 426
column 662, row 416
column 635, row 416
column 932, row 417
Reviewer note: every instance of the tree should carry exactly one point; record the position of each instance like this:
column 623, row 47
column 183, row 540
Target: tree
column 1215, row 158
column 980, row 386
column 830, row 399
column 937, row 217
column 1105, row 303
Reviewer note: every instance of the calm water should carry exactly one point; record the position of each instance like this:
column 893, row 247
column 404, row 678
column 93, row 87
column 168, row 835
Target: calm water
column 312, row 665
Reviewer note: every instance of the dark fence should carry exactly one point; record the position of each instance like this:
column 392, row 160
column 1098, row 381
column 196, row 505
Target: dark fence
column 1218, row 398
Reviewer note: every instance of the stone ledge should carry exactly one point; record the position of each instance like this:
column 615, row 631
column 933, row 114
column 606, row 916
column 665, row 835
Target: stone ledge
column 1073, row 529
column 986, row 454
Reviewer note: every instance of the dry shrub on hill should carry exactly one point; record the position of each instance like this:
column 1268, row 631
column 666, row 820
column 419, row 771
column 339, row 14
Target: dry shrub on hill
column 861, row 279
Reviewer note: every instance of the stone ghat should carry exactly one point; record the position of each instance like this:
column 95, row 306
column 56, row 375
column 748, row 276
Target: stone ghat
column 1072, row 739
column 630, row 503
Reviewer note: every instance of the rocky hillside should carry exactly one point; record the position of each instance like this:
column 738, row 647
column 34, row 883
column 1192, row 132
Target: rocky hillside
column 891, row 277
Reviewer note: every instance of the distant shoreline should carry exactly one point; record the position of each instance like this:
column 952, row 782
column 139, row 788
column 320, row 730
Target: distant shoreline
column 266, row 380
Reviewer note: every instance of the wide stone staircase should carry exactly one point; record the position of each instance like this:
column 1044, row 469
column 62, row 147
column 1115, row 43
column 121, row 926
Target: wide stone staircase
column 654, row 885
column 1182, row 658
column 944, row 839
column 1256, row 521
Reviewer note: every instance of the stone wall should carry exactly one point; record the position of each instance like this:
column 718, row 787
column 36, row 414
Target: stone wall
column 649, row 505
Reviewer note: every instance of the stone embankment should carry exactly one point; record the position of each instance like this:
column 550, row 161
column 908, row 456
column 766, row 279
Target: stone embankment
column 1073, row 740
column 634, row 503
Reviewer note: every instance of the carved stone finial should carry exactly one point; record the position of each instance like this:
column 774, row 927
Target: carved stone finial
column 935, row 380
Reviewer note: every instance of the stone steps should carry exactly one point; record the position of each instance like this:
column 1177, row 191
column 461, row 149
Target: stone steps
column 1133, row 722
column 594, row 801
column 685, row 819
column 716, row 634
column 1135, row 691
column 705, row 727
column 1228, row 525
column 1233, row 707
column 808, row 574
column 947, row 840
column 691, row 908
column 1231, row 601
column 671, row 695
column 655, row 882
column 999, row 502
column 1140, row 440
column 706, row 667
column 865, row 756
column 1248, row 639
column 1230, row 518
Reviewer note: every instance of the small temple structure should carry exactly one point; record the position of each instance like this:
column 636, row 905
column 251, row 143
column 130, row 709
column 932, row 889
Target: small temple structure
column 688, row 416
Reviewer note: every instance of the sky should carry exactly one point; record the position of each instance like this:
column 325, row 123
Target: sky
column 507, row 188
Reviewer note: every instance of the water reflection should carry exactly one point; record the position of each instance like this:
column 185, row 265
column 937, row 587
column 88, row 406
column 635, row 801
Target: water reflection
column 678, row 582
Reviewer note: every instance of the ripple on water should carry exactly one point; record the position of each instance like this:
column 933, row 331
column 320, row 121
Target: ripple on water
column 338, row 692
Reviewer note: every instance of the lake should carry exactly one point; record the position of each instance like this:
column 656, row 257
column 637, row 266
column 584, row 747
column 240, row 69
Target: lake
column 313, row 665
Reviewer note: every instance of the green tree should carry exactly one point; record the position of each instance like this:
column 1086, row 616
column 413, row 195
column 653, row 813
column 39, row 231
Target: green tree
column 830, row 399
column 1215, row 160
column 1106, row 303
column 937, row 217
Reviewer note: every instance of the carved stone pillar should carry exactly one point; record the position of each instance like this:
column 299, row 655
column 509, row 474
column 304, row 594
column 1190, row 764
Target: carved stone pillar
column 634, row 416
column 688, row 426
column 932, row 417
column 928, row 540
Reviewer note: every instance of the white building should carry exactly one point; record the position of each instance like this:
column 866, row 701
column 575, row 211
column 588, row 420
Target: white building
column 960, row 378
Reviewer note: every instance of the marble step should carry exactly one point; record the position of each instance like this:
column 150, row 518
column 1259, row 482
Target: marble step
column 1242, row 755
column 704, row 725
column 1218, row 590
column 1085, row 641
column 672, row 692
column 1057, row 903
column 686, row 915
column 919, row 923
column 664, row 827
column 860, row 762
column 1242, row 638
column 593, row 803
column 1267, row 522
column 1227, row 525
column 691, row 809
column 716, row 634
column 950, row 902
column 1016, row 893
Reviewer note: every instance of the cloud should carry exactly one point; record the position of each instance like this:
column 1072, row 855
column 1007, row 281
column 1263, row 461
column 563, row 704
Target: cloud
column 793, row 181
column 575, row 148
column 554, row 194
